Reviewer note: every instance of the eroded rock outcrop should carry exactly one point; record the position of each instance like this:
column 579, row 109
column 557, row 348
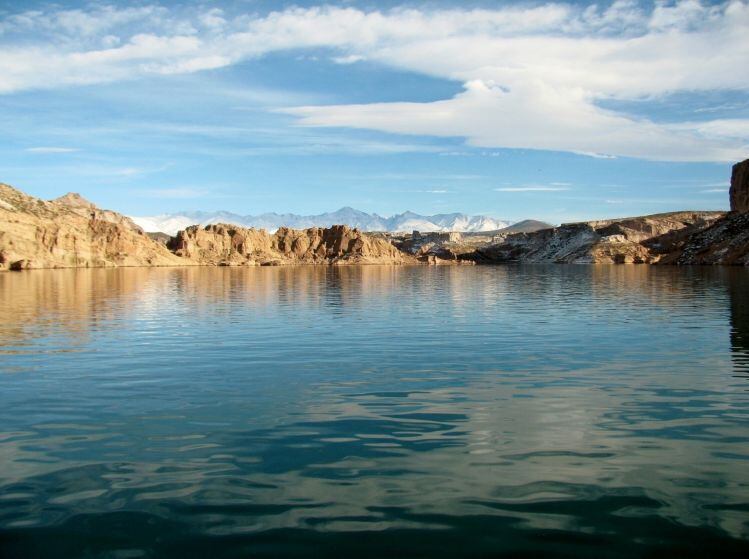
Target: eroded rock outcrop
column 71, row 232
column 739, row 192
column 230, row 245
column 631, row 240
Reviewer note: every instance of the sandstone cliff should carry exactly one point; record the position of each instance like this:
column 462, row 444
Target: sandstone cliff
column 230, row 245
column 71, row 232
column 631, row 240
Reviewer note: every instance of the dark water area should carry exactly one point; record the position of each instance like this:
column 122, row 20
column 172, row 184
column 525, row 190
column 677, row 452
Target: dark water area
column 557, row 411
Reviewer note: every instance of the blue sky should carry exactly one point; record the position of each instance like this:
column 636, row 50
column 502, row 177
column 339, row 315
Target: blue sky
column 555, row 111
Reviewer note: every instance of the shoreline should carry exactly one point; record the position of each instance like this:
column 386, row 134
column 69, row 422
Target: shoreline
column 447, row 264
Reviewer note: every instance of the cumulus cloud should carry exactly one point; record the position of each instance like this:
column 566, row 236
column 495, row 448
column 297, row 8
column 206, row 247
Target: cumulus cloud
column 533, row 76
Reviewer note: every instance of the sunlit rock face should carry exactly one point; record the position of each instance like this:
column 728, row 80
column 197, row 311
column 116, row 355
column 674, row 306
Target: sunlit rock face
column 71, row 232
column 740, row 187
column 229, row 245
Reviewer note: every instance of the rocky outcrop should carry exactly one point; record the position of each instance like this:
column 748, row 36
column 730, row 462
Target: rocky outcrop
column 221, row 244
column 631, row 240
column 338, row 244
column 739, row 192
column 71, row 232
column 230, row 245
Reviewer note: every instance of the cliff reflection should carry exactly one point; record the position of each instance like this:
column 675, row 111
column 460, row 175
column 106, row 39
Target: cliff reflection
column 75, row 302
column 739, row 295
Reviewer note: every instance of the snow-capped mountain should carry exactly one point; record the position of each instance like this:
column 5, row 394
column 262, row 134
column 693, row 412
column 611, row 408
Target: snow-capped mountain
column 407, row 221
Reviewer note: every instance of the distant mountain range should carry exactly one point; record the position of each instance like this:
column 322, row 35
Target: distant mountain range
column 407, row 221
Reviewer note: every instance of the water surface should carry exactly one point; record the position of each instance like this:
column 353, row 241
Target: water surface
column 570, row 411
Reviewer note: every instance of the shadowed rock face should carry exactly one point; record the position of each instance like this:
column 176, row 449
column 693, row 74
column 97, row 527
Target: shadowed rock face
column 71, row 232
column 725, row 242
column 740, row 187
column 229, row 245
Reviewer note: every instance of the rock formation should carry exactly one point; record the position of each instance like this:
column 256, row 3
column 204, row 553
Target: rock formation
column 740, row 187
column 71, row 232
column 230, row 245
column 631, row 240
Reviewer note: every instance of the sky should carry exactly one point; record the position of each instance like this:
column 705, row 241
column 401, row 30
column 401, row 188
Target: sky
column 558, row 111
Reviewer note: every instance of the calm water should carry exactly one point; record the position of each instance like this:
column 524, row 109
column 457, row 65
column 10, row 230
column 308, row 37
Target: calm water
column 568, row 411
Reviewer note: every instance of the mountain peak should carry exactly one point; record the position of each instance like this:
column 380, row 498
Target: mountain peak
column 348, row 210
column 74, row 200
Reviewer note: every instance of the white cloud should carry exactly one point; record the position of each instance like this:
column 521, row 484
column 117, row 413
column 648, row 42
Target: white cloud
column 532, row 75
column 213, row 18
column 531, row 189
column 531, row 117
column 51, row 149
column 350, row 59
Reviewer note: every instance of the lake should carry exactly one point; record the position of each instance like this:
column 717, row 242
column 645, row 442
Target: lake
column 564, row 411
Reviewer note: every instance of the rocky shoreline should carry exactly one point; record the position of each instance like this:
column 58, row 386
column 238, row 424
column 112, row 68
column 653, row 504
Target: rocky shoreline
column 71, row 232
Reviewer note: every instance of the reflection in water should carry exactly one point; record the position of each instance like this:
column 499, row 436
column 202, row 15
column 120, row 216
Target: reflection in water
column 739, row 294
column 563, row 410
